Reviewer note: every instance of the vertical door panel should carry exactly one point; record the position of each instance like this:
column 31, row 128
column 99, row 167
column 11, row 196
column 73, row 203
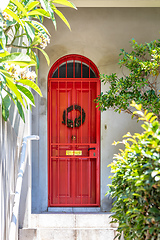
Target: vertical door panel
column 73, row 151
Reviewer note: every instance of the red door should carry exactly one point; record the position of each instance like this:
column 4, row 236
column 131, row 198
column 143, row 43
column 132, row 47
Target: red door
column 73, row 133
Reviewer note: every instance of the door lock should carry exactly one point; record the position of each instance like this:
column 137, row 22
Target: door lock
column 92, row 148
column 73, row 137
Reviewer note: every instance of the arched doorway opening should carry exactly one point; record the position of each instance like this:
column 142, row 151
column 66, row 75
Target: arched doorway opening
column 73, row 133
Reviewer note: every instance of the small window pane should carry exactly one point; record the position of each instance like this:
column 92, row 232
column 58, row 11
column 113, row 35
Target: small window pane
column 85, row 71
column 62, row 71
column 78, row 69
column 55, row 74
column 92, row 73
column 70, row 70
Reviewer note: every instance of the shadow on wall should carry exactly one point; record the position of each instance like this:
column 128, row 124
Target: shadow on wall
column 106, row 204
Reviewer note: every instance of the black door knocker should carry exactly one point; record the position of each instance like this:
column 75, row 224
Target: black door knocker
column 78, row 121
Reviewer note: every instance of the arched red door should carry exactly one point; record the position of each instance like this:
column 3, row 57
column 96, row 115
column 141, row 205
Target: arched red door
column 73, row 133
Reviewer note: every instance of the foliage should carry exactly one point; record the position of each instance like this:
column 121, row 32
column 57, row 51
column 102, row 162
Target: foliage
column 136, row 182
column 21, row 28
column 141, row 84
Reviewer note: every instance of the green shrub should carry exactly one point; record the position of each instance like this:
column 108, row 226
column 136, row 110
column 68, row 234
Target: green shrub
column 136, row 182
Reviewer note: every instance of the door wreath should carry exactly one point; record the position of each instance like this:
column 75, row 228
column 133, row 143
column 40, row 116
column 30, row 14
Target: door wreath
column 77, row 121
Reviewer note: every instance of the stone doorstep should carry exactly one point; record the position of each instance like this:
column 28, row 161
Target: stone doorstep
column 69, row 227
column 67, row 234
column 72, row 221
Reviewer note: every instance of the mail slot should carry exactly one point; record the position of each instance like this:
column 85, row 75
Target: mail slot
column 75, row 153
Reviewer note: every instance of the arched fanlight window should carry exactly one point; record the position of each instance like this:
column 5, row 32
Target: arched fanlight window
column 74, row 66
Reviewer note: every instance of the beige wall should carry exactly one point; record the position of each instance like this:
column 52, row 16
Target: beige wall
column 99, row 34
column 116, row 3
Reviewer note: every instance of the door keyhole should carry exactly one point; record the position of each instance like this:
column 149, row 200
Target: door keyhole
column 73, row 137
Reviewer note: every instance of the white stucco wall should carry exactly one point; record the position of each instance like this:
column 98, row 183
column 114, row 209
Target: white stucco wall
column 98, row 34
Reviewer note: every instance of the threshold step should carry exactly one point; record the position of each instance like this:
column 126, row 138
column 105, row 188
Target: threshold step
column 84, row 220
column 66, row 234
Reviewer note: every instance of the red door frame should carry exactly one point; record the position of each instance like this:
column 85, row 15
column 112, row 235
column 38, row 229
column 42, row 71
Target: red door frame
column 82, row 59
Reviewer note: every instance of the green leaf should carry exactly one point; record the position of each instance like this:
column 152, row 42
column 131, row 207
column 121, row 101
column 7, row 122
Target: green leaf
column 148, row 116
column 37, row 40
column 45, row 55
column 44, row 4
column 23, row 64
column 40, row 12
column 65, row 3
column 62, row 17
column 6, row 74
column 20, row 6
column 52, row 18
column 27, row 93
column 32, row 5
column 30, row 84
column 29, row 30
column 14, row 89
column 20, row 109
column 16, row 57
column 14, row 16
column 40, row 28
column 153, row 118
column 4, row 54
column 6, row 102
column 155, row 172
column 21, row 59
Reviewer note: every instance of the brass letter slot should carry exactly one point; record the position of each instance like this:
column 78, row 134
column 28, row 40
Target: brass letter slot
column 75, row 152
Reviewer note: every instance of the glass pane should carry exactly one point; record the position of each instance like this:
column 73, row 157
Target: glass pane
column 55, row 74
column 78, row 69
column 62, row 71
column 92, row 73
column 70, row 70
column 85, row 71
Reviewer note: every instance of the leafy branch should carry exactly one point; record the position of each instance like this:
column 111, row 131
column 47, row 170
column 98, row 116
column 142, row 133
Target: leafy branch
column 142, row 84
column 21, row 27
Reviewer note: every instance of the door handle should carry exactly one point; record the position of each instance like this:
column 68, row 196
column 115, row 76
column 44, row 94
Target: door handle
column 92, row 148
